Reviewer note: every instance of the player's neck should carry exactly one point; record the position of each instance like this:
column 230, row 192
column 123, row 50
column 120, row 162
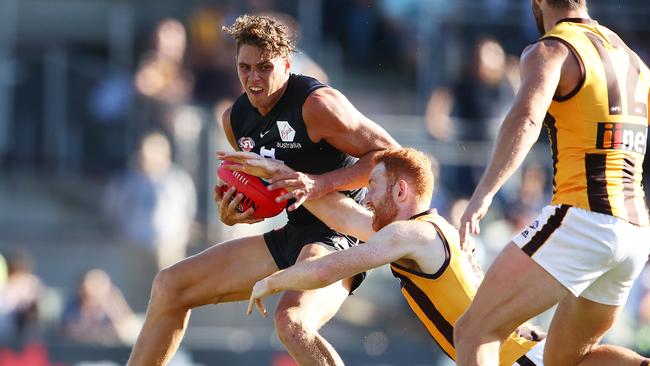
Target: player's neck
column 552, row 17
column 411, row 209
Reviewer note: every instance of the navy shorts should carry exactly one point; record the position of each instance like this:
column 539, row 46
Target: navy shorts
column 286, row 243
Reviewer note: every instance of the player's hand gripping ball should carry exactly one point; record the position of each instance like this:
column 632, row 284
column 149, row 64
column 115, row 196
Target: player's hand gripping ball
column 254, row 190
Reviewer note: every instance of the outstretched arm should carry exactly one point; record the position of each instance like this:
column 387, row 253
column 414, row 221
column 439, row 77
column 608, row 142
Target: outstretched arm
column 343, row 214
column 391, row 243
column 336, row 210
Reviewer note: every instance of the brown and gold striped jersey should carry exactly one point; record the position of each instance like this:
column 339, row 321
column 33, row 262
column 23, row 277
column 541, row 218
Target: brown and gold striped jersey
column 598, row 131
column 439, row 299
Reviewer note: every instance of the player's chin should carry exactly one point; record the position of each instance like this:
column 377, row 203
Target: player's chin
column 257, row 99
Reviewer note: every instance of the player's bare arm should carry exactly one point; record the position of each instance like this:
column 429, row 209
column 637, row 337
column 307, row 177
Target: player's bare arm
column 343, row 214
column 397, row 241
column 541, row 67
column 228, row 202
column 329, row 116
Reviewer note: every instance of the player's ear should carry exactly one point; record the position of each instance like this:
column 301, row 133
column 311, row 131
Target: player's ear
column 287, row 63
column 401, row 189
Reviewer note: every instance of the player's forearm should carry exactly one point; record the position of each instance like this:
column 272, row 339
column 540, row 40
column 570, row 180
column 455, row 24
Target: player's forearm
column 516, row 137
column 301, row 276
column 343, row 215
column 351, row 177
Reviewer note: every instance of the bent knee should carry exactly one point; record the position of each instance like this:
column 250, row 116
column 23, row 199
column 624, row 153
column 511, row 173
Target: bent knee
column 171, row 290
column 472, row 330
column 463, row 330
column 289, row 325
column 166, row 286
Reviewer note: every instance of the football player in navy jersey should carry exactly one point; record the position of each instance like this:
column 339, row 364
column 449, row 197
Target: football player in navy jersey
column 313, row 129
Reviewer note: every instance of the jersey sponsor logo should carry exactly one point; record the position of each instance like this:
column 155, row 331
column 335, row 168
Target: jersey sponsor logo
column 246, row 143
column 288, row 145
column 287, row 133
column 622, row 136
column 262, row 134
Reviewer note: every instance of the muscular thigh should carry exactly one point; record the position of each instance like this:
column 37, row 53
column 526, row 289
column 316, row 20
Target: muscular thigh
column 514, row 290
column 223, row 272
column 316, row 307
column 577, row 325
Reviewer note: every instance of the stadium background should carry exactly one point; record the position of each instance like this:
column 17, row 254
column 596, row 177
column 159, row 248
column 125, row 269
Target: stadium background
column 81, row 81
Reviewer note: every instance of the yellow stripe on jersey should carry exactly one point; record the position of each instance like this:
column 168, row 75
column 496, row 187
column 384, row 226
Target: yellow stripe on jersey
column 439, row 299
column 598, row 132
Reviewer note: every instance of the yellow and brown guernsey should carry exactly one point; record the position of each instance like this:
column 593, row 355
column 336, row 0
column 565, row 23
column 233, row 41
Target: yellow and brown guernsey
column 598, row 131
column 439, row 299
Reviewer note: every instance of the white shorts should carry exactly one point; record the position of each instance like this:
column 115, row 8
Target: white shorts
column 593, row 255
column 534, row 357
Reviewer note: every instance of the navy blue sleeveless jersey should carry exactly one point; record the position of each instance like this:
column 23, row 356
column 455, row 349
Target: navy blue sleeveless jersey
column 282, row 135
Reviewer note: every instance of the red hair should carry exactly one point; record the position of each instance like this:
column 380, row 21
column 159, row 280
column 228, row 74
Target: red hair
column 411, row 165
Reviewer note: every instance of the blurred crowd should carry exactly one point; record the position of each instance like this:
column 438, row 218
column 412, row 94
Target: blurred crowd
column 95, row 312
column 148, row 134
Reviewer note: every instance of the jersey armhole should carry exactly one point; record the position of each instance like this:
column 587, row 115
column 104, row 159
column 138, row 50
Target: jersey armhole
column 445, row 264
column 581, row 64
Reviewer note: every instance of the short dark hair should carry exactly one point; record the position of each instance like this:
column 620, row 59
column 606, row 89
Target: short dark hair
column 567, row 4
column 267, row 33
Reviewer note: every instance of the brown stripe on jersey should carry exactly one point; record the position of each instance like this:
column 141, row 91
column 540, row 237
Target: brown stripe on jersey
column 525, row 361
column 549, row 121
column 434, row 315
column 545, row 232
column 629, row 168
column 633, row 70
column 595, row 169
column 613, row 89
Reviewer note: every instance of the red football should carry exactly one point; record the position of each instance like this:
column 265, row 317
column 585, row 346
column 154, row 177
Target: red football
column 255, row 193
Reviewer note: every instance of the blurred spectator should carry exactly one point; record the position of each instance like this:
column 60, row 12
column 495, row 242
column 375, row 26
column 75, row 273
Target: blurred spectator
column 19, row 298
column 161, row 75
column 211, row 58
column 162, row 78
column 472, row 109
column 97, row 313
column 154, row 202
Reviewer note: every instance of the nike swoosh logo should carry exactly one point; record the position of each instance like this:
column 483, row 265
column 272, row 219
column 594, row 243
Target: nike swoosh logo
column 263, row 133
